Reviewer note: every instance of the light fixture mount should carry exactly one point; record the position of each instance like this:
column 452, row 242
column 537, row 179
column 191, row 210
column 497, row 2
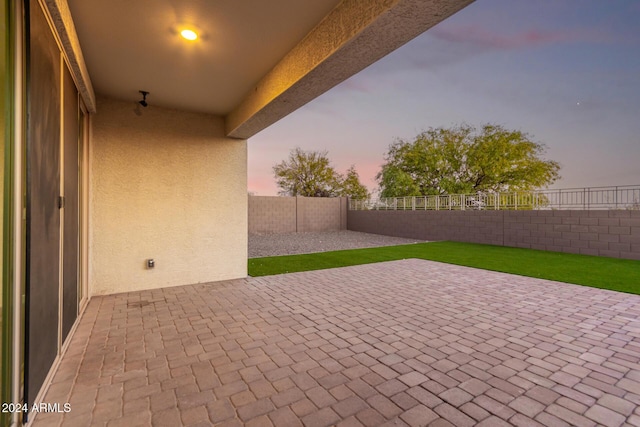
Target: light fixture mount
column 144, row 98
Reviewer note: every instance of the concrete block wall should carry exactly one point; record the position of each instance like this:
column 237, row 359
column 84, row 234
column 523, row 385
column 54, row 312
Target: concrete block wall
column 430, row 225
column 272, row 214
column 614, row 233
column 321, row 214
column 296, row 214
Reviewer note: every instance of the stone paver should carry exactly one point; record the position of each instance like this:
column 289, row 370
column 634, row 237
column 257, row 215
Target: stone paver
column 408, row 342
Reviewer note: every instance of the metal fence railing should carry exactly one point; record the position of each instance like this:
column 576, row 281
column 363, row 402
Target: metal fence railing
column 618, row 197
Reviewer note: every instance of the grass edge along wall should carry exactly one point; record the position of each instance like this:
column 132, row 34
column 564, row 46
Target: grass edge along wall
column 610, row 233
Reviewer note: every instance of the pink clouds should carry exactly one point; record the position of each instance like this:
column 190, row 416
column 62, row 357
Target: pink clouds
column 358, row 85
column 486, row 38
column 367, row 172
column 262, row 187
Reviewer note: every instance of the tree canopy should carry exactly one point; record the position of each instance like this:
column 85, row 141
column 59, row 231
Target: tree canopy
column 352, row 187
column 310, row 174
column 462, row 159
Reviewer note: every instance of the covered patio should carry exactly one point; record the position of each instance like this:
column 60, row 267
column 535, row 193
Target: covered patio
column 126, row 133
column 407, row 342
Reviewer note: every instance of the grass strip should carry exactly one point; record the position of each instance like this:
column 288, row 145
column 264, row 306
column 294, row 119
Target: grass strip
column 600, row 272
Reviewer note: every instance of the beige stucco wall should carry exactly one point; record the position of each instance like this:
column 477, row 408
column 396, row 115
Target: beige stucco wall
column 166, row 185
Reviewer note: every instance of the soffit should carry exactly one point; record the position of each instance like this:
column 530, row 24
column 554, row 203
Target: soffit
column 134, row 45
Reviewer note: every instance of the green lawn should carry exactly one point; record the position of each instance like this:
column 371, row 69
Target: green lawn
column 607, row 273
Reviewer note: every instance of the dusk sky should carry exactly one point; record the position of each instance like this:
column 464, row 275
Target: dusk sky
column 566, row 72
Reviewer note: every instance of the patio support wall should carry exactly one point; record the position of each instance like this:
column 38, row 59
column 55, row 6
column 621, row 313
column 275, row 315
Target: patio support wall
column 614, row 233
column 167, row 185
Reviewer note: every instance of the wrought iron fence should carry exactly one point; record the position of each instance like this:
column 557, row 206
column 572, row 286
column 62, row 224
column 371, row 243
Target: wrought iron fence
column 618, row 197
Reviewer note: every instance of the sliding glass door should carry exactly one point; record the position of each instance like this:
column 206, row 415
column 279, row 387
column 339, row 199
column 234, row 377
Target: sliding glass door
column 5, row 208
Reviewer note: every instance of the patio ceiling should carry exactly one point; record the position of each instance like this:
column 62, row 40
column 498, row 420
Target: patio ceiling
column 254, row 62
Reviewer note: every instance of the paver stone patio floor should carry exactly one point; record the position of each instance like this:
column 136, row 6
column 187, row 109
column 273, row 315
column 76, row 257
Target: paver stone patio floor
column 407, row 342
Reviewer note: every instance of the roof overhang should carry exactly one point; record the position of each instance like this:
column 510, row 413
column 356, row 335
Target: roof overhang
column 256, row 61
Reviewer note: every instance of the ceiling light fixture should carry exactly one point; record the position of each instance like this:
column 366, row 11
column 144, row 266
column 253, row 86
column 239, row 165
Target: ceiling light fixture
column 189, row 34
column 144, row 98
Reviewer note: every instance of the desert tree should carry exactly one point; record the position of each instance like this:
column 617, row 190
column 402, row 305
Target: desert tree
column 310, row 174
column 463, row 159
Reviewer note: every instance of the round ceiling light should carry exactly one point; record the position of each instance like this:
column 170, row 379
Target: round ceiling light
column 189, row 34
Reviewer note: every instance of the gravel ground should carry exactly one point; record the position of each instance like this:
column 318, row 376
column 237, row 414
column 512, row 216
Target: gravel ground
column 261, row 245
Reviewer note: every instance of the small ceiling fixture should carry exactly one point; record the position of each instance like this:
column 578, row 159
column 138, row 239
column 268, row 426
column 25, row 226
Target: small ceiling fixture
column 189, row 34
column 144, row 98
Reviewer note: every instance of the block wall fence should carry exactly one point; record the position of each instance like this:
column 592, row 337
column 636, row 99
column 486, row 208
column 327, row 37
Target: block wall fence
column 611, row 233
column 268, row 215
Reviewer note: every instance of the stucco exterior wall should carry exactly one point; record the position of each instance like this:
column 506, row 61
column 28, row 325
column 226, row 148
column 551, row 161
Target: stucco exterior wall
column 296, row 214
column 167, row 185
column 614, row 233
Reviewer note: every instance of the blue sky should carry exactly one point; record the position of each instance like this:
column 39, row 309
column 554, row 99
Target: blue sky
column 565, row 72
